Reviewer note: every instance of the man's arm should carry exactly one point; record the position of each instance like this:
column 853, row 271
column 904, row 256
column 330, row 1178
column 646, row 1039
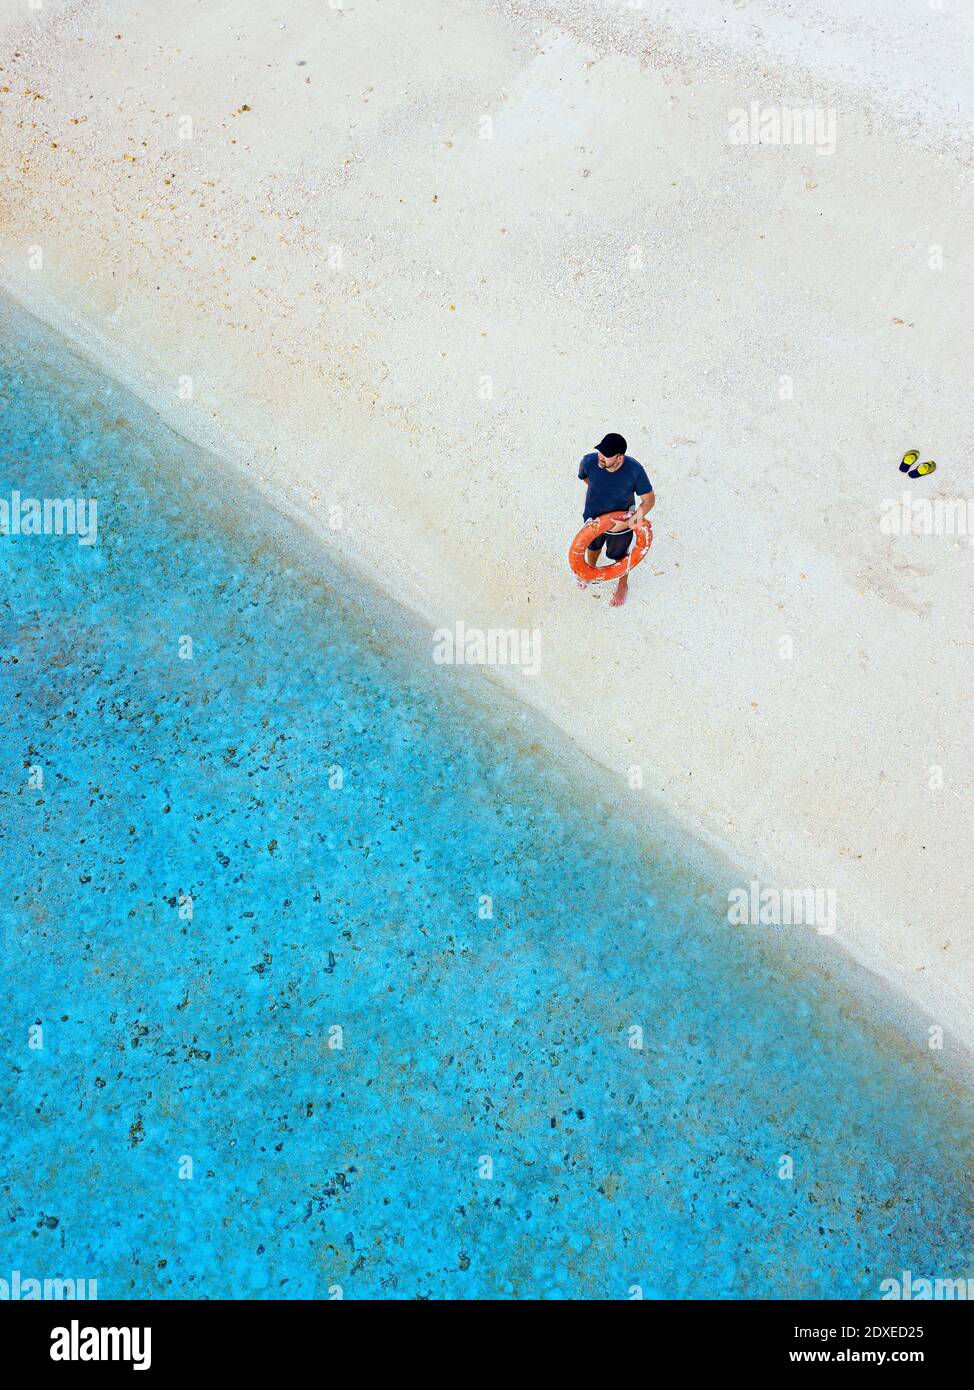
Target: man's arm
column 646, row 504
column 636, row 514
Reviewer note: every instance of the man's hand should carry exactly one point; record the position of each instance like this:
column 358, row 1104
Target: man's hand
column 626, row 523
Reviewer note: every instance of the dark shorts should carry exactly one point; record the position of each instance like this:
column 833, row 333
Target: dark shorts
column 616, row 544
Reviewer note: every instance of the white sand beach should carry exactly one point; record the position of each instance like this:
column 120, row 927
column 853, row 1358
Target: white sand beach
column 412, row 259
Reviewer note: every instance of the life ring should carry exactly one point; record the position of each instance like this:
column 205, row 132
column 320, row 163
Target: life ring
column 598, row 527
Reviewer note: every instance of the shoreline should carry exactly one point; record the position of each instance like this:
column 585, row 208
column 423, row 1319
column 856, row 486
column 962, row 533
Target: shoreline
column 791, row 776
column 887, row 1010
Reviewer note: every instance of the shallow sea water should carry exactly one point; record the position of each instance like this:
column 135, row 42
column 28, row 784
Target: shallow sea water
column 485, row 1129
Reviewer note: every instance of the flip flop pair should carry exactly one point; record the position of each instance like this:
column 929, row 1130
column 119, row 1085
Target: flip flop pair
column 914, row 469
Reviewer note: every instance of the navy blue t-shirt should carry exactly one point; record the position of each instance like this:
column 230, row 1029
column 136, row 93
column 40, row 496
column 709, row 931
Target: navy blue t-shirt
column 612, row 492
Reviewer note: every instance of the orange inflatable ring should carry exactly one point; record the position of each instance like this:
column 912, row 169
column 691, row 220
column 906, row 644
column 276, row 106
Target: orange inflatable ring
column 598, row 527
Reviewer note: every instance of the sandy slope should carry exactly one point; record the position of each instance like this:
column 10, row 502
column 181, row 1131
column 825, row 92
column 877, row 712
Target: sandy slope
column 594, row 254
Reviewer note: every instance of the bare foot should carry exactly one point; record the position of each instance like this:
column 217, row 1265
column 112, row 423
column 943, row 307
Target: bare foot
column 620, row 596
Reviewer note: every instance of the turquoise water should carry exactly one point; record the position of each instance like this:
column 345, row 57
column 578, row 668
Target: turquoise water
column 363, row 1168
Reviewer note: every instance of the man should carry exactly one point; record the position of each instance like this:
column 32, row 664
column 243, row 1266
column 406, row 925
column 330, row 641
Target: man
column 613, row 481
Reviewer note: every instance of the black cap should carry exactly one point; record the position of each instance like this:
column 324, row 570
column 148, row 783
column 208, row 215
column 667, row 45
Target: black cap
column 611, row 445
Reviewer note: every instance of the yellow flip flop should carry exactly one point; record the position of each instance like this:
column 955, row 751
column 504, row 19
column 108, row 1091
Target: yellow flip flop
column 923, row 469
column 909, row 459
